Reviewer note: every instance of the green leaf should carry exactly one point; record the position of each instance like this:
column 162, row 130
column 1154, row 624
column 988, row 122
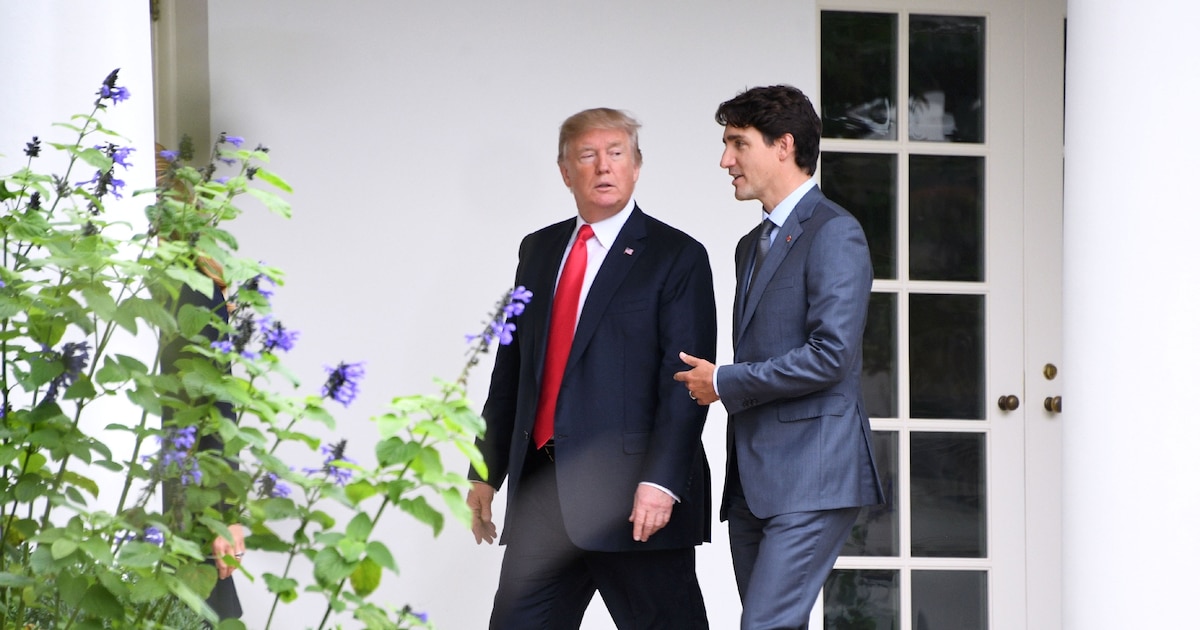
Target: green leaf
column 395, row 450
column 8, row 580
column 193, row 319
column 381, row 555
column 273, row 202
column 359, row 527
column 94, row 157
column 420, row 509
column 72, row 588
column 62, row 548
column 139, row 555
column 101, row 603
column 151, row 312
column 200, row 578
column 272, row 179
column 98, row 549
column 366, row 577
column 458, row 506
column 82, row 388
column 100, row 300
column 231, row 624
column 330, row 568
column 190, row 598
column 111, row 372
column 285, row 588
column 147, row 589
column 360, row 491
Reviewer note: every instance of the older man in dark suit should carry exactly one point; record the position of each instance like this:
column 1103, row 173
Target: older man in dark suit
column 608, row 486
column 800, row 464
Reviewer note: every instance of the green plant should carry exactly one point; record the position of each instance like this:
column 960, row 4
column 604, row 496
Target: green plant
column 207, row 425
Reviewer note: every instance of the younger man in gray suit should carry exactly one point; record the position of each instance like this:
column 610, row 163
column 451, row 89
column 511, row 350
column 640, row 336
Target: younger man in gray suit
column 800, row 464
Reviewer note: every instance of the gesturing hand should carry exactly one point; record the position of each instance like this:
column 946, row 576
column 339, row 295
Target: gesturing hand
column 699, row 379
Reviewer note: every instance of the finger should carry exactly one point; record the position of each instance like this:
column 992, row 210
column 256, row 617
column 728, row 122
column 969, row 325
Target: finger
column 689, row 359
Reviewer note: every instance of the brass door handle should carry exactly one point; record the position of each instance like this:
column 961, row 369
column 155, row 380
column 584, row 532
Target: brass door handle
column 1053, row 404
column 1009, row 403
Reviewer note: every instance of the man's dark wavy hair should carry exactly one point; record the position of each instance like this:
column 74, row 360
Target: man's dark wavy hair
column 775, row 111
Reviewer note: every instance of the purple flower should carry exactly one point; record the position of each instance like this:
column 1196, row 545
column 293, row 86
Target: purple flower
column 116, row 93
column 153, row 535
column 234, row 140
column 274, row 335
column 343, row 381
column 503, row 332
column 33, row 148
column 169, row 155
column 224, row 345
column 498, row 327
column 222, row 180
column 424, row 617
column 2, row 285
column 271, row 486
column 334, row 453
column 263, row 284
column 119, row 155
column 175, row 454
column 74, row 358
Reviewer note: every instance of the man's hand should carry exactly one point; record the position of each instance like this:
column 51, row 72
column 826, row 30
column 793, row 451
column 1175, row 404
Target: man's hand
column 651, row 511
column 479, row 499
column 223, row 548
column 699, row 379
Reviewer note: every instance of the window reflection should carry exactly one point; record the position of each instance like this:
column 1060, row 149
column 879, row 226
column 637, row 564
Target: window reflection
column 858, row 75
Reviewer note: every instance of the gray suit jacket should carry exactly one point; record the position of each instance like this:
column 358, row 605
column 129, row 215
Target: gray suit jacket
column 798, row 426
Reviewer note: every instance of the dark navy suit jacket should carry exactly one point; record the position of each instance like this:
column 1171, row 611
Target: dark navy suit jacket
column 621, row 419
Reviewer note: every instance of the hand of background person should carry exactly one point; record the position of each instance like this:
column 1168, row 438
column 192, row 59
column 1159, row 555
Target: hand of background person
column 651, row 511
column 223, row 547
column 479, row 499
column 699, row 379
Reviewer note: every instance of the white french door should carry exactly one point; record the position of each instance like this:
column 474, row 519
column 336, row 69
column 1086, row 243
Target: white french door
column 926, row 109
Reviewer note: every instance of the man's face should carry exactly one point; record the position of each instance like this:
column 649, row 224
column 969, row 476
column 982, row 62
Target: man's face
column 751, row 162
column 600, row 168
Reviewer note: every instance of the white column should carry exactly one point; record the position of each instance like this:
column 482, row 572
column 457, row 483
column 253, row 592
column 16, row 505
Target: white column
column 1131, row 508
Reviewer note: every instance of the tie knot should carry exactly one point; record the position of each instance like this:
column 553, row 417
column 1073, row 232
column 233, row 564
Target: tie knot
column 585, row 232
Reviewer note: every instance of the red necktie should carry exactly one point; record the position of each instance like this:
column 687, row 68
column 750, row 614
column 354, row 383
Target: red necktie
column 562, row 332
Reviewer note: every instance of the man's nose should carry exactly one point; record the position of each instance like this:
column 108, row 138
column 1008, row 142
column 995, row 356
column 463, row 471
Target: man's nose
column 726, row 159
column 603, row 163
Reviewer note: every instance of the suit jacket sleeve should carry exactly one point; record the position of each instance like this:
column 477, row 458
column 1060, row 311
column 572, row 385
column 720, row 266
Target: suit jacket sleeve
column 837, row 284
column 687, row 322
column 500, row 409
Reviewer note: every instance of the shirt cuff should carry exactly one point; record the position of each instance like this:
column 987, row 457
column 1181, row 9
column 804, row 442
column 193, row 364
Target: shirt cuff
column 654, row 485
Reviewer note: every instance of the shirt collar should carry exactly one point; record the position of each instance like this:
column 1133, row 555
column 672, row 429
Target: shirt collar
column 785, row 207
column 607, row 230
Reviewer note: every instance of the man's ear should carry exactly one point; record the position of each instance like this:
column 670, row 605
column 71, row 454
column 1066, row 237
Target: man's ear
column 785, row 147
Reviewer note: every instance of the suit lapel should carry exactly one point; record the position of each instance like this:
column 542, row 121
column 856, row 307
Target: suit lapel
column 622, row 255
column 787, row 236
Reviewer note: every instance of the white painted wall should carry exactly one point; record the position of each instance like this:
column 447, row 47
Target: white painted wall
column 420, row 139
column 1131, row 289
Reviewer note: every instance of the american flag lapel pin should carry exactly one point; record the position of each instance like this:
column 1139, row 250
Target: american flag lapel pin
column 628, row 251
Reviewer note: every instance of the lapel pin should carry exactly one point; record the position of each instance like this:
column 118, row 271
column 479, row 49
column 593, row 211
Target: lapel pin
column 788, row 239
column 628, row 251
